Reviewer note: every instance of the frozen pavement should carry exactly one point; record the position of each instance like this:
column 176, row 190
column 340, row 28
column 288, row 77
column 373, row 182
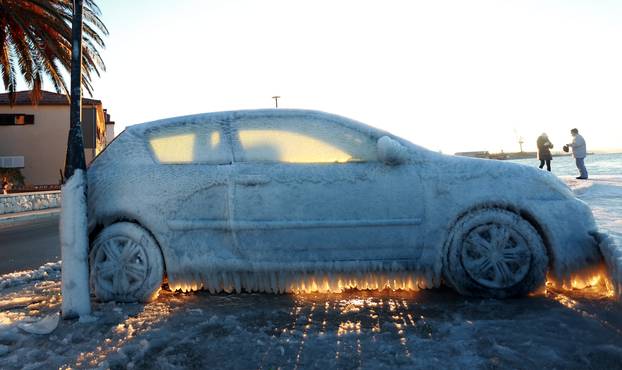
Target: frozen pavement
column 578, row 329
column 358, row 329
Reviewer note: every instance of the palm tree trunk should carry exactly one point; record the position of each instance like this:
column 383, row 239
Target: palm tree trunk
column 75, row 146
column 73, row 231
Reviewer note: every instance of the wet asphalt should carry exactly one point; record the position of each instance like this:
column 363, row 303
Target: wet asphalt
column 26, row 245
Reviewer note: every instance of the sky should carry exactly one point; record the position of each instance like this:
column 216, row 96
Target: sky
column 450, row 75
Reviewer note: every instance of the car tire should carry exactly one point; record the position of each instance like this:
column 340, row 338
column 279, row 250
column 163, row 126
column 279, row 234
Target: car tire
column 126, row 264
column 494, row 253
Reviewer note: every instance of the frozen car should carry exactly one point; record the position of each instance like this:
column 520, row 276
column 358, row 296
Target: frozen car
column 295, row 200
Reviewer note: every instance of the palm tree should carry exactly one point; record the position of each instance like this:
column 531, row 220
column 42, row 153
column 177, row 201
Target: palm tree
column 35, row 38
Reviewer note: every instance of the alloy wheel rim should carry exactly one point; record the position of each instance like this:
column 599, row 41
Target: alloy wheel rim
column 120, row 265
column 496, row 255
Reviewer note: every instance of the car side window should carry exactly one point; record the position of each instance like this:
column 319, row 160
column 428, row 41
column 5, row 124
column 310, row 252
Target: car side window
column 189, row 143
column 300, row 140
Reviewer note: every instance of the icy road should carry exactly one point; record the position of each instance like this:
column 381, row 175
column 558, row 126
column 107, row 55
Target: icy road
column 554, row 329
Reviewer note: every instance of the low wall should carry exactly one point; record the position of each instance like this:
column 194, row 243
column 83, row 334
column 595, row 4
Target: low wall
column 23, row 202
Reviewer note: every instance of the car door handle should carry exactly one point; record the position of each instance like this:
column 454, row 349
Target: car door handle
column 252, row 180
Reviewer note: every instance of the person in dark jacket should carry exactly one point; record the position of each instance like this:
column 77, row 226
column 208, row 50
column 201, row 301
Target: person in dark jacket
column 544, row 151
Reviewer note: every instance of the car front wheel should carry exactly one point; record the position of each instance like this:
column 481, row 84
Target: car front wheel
column 495, row 253
column 126, row 264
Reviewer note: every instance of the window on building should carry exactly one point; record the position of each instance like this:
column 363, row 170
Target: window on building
column 17, row 119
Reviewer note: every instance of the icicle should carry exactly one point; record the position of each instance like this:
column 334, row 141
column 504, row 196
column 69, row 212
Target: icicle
column 237, row 283
column 213, row 283
column 316, row 277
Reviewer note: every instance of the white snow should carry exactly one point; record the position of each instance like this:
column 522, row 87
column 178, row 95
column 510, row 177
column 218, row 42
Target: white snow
column 23, row 277
column 74, row 247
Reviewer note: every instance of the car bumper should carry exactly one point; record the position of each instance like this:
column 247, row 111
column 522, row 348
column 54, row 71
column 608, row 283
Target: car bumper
column 569, row 230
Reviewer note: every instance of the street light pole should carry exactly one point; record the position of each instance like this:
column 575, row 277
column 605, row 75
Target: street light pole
column 276, row 100
column 75, row 145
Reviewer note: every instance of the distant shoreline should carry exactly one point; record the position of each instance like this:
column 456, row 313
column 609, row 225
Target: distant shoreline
column 516, row 155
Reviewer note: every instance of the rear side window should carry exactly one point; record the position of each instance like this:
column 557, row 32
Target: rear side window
column 300, row 140
column 190, row 143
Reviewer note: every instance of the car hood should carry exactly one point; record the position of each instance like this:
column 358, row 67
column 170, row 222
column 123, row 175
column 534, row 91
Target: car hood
column 496, row 178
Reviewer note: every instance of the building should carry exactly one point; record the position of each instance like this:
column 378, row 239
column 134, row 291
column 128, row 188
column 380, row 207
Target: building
column 477, row 154
column 109, row 127
column 34, row 137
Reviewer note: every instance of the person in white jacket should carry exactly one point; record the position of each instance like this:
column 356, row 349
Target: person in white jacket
column 579, row 153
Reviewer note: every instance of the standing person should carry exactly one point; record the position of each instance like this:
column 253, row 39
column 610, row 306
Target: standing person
column 544, row 151
column 579, row 152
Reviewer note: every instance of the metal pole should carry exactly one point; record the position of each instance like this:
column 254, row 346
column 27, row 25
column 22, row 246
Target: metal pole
column 276, row 101
column 75, row 145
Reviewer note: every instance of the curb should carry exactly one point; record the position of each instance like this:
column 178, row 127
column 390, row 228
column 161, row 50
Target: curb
column 8, row 218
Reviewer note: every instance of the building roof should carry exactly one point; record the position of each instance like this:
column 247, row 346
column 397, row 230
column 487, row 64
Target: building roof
column 47, row 98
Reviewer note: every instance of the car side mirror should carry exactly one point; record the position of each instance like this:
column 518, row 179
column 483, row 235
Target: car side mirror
column 391, row 152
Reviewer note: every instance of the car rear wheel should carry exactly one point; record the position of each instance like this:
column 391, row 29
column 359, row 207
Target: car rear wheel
column 495, row 253
column 126, row 264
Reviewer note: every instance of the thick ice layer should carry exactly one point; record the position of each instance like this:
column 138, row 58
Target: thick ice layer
column 612, row 254
column 44, row 326
column 603, row 194
column 74, row 248
column 257, row 203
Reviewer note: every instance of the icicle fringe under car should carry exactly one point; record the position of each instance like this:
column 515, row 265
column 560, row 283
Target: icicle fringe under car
column 303, row 282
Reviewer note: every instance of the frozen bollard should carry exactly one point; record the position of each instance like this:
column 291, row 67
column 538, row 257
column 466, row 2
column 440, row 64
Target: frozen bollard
column 74, row 248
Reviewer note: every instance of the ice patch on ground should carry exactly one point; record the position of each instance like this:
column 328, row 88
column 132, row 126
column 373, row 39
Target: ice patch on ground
column 44, row 326
column 47, row 271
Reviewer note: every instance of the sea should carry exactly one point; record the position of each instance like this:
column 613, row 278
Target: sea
column 602, row 192
column 596, row 164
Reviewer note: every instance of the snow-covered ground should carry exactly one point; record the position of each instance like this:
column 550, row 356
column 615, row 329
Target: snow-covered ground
column 577, row 329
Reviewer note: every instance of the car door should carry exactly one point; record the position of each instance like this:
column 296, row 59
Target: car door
column 194, row 164
column 308, row 189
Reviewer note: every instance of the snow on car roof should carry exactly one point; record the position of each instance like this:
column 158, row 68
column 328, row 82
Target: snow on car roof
column 142, row 128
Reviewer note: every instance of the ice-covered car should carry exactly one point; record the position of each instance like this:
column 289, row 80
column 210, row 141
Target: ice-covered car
column 295, row 200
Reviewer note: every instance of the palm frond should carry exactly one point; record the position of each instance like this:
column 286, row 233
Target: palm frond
column 6, row 67
column 36, row 42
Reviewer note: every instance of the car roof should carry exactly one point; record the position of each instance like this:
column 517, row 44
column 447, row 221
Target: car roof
column 143, row 128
